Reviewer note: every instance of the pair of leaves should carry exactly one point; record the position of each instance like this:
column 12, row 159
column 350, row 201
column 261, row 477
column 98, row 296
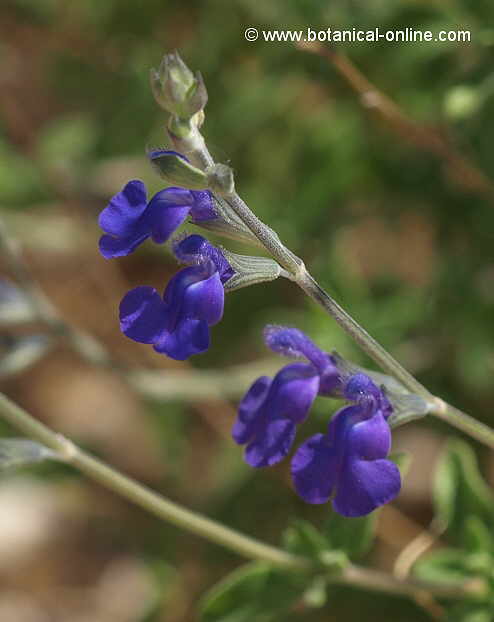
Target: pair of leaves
column 464, row 506
column 461, row 493
column 259, row 592
column 255, row 591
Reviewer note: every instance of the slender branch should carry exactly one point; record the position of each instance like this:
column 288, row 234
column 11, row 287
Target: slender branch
column 235, row 541
column 142, row 496
column 424, row 137
column 44, row 311
column 467, row 424
column 196, row 149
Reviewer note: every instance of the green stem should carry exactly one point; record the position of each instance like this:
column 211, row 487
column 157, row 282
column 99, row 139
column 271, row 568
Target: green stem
column 196, row 149
column 144, row 497
column 246, row 546
column 462, row 421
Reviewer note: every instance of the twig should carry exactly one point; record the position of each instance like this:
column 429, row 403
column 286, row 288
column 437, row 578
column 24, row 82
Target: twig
column 245, row 546
column 424, row 137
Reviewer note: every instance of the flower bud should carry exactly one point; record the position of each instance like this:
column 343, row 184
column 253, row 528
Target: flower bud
column 177, row 171
column 177, row 89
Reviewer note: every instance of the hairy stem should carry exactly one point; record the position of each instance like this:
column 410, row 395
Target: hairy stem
column 171, row 512
column 195, row 147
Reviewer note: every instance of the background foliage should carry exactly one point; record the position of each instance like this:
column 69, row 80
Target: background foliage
column 401, row 239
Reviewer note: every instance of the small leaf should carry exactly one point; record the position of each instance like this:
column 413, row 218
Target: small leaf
column 15, row 306
column 19, row 353
column 316, row 594
column 254, row 592
column 478, row 536
column 302, row 538
column 352, row 535
column 16, row 452
column 460, row 491
column 445, row 566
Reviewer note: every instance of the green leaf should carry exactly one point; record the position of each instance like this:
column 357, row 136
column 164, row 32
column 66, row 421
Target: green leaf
column 302, row 538
column 445, row 566
column 255, row 591
column 354, row 536
column 316, row 594
column 470, row 612
column 15, row 452
column 478, row 536
column 460, row 491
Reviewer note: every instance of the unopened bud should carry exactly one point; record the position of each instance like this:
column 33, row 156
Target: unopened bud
column 177, row 171
column 177, row 89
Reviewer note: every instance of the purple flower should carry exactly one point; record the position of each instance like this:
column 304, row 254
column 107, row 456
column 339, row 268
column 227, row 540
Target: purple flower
column 294, row 343
column 270, row 411
column 272, row 408
column 178, row 324
column 130, row 218
column 348, row 463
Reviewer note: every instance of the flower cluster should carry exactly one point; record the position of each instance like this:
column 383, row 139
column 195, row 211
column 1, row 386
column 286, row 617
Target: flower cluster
column 347, row 464
column 176, row 324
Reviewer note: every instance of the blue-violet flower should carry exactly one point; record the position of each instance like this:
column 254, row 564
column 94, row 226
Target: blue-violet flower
column 130, row 218
column 272, row 408
column 348, row 463
column 178, row 324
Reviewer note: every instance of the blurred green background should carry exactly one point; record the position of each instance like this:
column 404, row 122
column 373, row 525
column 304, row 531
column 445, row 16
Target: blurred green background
column 396, row 230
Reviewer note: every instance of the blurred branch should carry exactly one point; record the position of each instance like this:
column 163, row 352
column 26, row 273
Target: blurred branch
column 246, row 546
column 195, row 385
column 424, row 137
column 44, row 311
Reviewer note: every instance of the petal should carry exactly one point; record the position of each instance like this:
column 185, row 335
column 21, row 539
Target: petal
column 203, row 208
column 272, row 444
column 142, row 315
column 190, row 337
column 166, row 221
column 293, row 390
column 249, row 410
column 120, row 247
column 156, row 153
column 175, row 291
column 124, row 209
column 370, row 439
column 190, row 248
column 363, row 486
column 314, row 469
column 293, row 342
column 204, row 300
column 195, row 249
column 166, row 212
